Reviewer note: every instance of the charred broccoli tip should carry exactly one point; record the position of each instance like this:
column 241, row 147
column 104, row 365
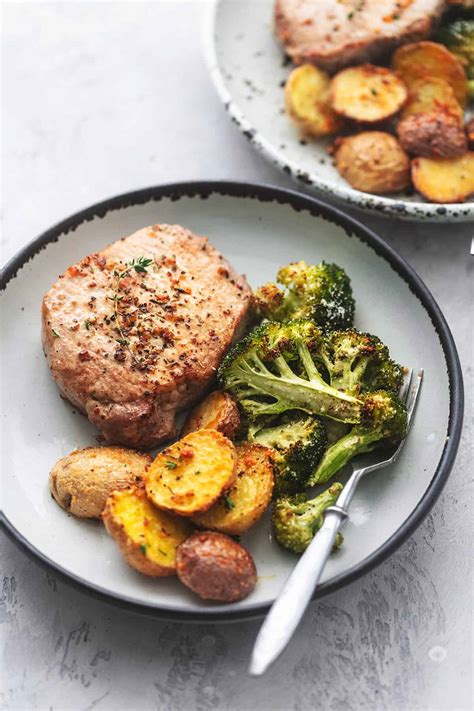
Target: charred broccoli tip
column 358, row 362
column 320, row 292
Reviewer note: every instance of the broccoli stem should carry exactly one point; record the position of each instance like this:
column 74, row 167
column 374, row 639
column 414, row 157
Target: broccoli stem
column 340, row 453
column 313, row 396
column 350, row 378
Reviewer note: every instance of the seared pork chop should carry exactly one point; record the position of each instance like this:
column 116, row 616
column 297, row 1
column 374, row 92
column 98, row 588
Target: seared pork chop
column 134, row 334
column 338, row 33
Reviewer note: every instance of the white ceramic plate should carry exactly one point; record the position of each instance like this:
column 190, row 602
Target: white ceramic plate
column 249, row 70
column 258, row 229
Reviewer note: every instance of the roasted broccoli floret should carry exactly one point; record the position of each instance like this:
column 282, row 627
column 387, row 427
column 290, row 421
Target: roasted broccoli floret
column 458, row 36
column 320, row 292
column 384, row 421
column 272, row 370
column 359, row 362
column 296, row 518
column 299, row 441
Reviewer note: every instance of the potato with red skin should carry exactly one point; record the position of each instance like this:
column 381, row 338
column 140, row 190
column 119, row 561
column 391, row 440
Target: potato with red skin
column 438, row 134
column 373, row 162
column 215, row 567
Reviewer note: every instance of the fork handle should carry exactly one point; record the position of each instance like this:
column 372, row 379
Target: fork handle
column 288, row 609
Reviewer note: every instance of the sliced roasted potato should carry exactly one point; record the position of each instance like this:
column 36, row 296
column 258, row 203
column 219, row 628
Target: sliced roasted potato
column 217, row 412
column 444, row 181
column 82, row 481
column 367, row 93
column 427, row 95
column 147, row 537
column 425, row 60
column 437, row 134
column 244, row 503
column 215, row 567
column 191, row 474
column 373, row 162
column 307, row 101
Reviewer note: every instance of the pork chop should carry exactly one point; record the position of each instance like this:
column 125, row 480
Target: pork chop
column 135, row 333
column 337, row 33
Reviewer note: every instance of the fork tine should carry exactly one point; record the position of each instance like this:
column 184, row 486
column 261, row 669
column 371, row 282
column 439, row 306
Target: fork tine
column 413, row 397
column 411, row 400
column 405, row 388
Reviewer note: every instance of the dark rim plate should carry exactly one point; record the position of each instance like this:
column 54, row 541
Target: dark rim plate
column 267, row 193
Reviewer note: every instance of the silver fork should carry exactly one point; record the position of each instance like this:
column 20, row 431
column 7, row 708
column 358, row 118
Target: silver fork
column 287, row 610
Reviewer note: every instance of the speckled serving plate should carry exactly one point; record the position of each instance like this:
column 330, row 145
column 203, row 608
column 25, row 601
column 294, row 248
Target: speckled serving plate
column 258, row 228
column 249, row 70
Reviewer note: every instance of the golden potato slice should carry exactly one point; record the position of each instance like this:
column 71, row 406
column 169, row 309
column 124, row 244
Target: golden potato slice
column 244, row 503
column 307, row 101
column 367, row 93
column 444, row 181
column 82, row 481
column 435, row 134
column 217, row 412
column 428, row 95
column 147, row 537
column 190, row 475
column 425, row 60
column 373, row 162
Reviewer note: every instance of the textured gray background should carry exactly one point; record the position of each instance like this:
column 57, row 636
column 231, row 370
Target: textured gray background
column 101, row 98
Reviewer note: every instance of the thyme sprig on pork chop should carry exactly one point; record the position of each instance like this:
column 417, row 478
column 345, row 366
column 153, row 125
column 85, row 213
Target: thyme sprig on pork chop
column 140, row 265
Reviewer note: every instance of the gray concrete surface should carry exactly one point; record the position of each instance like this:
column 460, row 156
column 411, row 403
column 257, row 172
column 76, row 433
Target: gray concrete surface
column 100, row 98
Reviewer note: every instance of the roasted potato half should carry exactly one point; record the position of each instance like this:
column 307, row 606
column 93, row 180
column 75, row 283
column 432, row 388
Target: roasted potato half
column 444, row 181
column 82, row 481
column 373, row 162
column 307, row 101
column 217, row 412
column 432, row 121
column 425, row 60
column 428, row 95
column 147, row 537
column 191, row 474
column 215, row 567
column 244, row 503
column 438, row 134
column 367, row 93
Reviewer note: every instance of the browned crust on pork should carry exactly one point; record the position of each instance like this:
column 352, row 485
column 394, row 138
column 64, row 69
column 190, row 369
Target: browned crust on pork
column 177, row 321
